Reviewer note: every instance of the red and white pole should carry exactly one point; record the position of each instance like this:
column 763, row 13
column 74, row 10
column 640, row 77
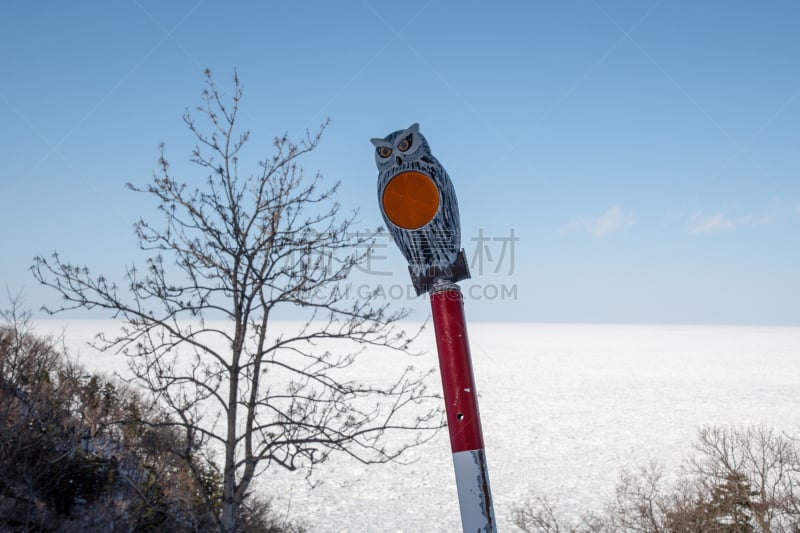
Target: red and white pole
column 461, row 406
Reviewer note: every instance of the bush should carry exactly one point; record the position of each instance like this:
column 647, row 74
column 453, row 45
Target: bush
column 85, row 452
column 741, row 480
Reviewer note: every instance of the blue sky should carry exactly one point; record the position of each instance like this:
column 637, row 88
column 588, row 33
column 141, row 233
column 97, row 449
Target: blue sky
column 645, row 154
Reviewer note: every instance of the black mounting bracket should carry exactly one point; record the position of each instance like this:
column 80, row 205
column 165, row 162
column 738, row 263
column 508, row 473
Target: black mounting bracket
column 425, row 278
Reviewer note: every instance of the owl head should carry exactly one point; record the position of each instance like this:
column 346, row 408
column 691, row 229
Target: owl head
column 400, row 147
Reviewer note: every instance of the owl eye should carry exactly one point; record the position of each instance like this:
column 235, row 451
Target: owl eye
column 384, row 151
column 405, row 144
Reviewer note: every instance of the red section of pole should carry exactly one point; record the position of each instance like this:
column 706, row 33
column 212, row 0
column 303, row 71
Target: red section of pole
column 455, row 364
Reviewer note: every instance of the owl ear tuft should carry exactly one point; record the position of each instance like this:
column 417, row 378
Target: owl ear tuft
column 376, row 142
column 414, row 128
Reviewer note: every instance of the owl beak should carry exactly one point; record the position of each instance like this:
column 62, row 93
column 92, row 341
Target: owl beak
column 399, row 161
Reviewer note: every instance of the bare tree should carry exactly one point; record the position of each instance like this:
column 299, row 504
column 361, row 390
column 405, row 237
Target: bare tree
column 764, row 463
column 243, row 249
column 740, row 480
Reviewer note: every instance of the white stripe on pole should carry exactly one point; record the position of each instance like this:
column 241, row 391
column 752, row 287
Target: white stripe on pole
column 474, row 496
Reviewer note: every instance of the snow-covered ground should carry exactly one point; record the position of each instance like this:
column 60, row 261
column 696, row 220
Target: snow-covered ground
column 564, row 407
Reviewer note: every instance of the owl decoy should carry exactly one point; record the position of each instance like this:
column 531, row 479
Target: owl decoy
column 419, row 206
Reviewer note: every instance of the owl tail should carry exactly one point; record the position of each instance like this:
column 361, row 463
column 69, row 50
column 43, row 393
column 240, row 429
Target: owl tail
column 424, row 278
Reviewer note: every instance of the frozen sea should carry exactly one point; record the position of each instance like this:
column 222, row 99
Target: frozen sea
column 564, row 407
